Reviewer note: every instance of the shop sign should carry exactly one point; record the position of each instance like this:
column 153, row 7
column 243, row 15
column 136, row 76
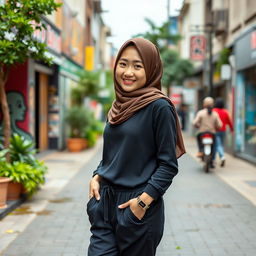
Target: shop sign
column 89, row 58
column 69, row 67
column 197, row 47
column 50, row 36
column 225, row 73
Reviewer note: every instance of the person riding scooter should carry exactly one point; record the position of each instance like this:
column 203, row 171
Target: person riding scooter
column 206, row 121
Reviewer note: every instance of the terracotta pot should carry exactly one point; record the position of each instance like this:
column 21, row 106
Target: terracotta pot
column 3, row 191
column 76, row 144
column 14, row 191
column 23, row 190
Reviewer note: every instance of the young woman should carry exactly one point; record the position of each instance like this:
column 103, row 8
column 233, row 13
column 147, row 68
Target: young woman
column 142, row 141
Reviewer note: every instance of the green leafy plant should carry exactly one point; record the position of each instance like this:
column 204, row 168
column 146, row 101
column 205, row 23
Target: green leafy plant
column 91, row 137
column 31, row 177
column 78, row 118
column 3, row 155
column 18, row 21
column 22, row 150
column 98, row 127
column 23, row 167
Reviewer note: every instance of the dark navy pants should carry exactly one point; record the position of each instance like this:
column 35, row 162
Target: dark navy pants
column 118, row 232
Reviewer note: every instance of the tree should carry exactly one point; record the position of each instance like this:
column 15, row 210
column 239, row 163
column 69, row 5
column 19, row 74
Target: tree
column 159, row 35
column 88, row 86
column 176, row 69
column 18, row 21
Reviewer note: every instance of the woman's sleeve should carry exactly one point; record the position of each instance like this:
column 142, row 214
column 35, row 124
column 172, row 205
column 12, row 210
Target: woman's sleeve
column 165, row 139
column 96, row 171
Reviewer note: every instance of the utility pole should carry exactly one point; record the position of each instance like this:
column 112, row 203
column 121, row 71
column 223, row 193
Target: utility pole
column 210, row 32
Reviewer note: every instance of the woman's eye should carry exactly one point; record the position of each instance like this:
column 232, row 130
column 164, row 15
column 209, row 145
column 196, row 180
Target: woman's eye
column 138, row 66
column 122, row 64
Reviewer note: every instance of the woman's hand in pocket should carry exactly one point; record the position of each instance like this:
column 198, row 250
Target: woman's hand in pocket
column 94, row 190
column 135, row 208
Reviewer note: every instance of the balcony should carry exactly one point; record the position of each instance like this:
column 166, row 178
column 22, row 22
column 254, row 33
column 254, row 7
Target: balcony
column 220, row 21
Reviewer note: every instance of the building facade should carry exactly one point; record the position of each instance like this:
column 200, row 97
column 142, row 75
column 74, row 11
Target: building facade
column 229, row 29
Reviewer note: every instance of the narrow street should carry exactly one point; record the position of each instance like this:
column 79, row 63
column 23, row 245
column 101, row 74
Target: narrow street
column 204, row 215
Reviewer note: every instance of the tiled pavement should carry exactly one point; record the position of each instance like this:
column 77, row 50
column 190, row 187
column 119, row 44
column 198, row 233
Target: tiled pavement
column 204, row 216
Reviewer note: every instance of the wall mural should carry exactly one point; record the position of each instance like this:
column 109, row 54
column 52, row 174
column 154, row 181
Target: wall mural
column 18, row 110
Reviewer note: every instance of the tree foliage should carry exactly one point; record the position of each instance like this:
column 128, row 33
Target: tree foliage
column 176, row 69
column 18, row 21
column 88, row 86
column 159, row 35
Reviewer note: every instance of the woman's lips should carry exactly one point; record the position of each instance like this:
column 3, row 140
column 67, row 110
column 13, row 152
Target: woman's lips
column 128, row 81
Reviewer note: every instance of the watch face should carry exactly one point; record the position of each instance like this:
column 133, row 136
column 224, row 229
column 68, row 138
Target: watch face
column 142, row 204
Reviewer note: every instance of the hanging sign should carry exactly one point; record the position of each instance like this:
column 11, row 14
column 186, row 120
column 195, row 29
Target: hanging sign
column 197, row 47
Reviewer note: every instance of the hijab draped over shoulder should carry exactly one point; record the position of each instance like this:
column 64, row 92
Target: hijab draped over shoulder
column 127, row 103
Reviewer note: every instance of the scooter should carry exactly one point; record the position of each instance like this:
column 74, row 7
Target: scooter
column 207, row 140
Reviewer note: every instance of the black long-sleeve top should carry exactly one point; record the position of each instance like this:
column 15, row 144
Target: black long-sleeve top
column 141, row 150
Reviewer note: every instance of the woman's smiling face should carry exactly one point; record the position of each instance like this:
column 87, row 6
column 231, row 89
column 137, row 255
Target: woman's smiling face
column 130, row 73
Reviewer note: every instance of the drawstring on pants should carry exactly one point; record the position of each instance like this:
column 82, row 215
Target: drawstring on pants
column 108, row 198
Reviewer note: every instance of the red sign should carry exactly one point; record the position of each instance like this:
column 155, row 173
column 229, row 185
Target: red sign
column 197, row 47
column 253, row 40
column 176, row 98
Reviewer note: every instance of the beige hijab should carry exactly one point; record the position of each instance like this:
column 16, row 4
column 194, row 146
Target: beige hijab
column 127, row 103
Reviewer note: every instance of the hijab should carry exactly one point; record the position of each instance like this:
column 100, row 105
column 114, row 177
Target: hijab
column 128, row 103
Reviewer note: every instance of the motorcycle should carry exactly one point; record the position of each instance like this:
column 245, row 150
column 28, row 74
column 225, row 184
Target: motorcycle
column 207, row 143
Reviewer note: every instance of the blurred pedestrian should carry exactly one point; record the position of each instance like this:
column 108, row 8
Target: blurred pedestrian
column 206, row 121
column 221, row 133
column 142, row 141
column 182, row 113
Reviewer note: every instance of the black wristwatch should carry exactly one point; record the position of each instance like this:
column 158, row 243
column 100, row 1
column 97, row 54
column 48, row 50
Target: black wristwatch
column 142, row 204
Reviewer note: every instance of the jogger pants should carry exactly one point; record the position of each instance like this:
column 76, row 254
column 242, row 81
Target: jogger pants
column 118, row 232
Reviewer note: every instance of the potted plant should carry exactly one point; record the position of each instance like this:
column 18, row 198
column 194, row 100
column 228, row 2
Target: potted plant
column 23, row 174
column 24, row 170
column 4, row 181
column 77, row 118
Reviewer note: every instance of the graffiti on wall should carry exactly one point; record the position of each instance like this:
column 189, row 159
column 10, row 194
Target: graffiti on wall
column 18, row 109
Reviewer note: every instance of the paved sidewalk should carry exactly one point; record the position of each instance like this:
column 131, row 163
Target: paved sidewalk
column 204, row 215
column 238, row 173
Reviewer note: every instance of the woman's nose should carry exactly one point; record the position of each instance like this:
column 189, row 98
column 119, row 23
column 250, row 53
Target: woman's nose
column 128, row 72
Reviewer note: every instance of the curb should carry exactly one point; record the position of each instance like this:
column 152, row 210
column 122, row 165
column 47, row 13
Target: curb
column 11, row 205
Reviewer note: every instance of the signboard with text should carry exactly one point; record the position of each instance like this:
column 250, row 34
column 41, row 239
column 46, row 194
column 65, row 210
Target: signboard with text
column 197, row 47
column 50, row 36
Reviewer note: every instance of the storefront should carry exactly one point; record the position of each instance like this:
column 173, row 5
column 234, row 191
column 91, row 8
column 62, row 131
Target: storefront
column 44, row 91
column 245, row 96
column 68, row 79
